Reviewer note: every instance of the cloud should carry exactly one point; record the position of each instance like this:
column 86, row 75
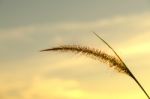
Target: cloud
column 37, row 86
column 136, row 23
column 57, row 88
column 59, row 85
column 52, row 88
column 136, row 46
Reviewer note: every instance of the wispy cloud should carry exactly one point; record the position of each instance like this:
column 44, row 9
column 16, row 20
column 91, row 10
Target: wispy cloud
column 136, row 46
column 130, row 22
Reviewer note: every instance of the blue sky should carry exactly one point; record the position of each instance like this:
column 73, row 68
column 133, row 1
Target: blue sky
column 28, row 26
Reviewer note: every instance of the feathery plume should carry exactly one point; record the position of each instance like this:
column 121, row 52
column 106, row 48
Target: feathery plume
column 113, row 61
column 93, row 53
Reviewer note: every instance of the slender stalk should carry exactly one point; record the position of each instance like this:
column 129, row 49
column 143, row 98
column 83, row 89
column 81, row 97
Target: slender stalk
column 141, row 86
column 130, row 73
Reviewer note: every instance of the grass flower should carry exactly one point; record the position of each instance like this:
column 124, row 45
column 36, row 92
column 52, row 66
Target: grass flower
column 113, row 61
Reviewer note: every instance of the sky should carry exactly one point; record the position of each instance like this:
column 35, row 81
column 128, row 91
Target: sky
column 28, row 26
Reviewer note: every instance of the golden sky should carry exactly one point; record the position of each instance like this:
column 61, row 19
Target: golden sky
column 29, row 26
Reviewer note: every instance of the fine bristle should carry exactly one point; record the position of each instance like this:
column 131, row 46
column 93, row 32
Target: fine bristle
column 94, row 53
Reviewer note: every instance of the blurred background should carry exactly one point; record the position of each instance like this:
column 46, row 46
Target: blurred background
column 28, row 26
